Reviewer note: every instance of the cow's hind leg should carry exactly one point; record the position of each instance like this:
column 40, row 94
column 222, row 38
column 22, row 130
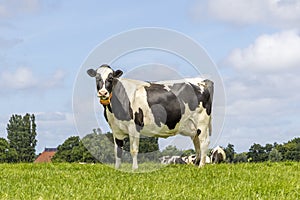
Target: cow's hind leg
column 197, row 149
column 204, row 143
column 118, row 152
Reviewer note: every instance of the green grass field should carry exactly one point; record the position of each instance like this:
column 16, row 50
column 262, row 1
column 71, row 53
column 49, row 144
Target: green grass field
column 224, row 181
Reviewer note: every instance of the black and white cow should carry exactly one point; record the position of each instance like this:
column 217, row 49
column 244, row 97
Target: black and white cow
column 172, row 160
column 218, row 155
column 191, row 159
column 158, row 109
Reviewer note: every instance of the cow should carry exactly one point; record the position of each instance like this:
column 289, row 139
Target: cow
column 191, row 159
column 154, row 109
column 217, row 155
column 172, row 160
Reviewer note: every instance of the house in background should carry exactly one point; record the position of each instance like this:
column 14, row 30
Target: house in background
column 46, row 156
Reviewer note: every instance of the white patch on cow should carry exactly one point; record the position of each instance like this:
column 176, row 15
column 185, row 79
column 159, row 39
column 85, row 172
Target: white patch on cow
column 172, row 160
column 104, row 71
column 207, row 160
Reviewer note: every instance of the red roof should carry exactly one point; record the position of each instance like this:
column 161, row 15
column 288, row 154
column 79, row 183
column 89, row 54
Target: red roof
column 46, row 156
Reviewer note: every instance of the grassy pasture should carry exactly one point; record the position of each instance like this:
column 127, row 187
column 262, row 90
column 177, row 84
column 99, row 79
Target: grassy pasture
column 224, row 181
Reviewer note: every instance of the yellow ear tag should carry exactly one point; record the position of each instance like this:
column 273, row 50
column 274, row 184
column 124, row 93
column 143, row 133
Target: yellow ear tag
column 105, row 102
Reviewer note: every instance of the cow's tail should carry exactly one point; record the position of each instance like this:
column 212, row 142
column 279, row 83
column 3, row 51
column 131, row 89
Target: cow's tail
column 209, row 127
column 210, row 87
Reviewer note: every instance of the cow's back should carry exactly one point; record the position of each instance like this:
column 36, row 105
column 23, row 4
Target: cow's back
column 165, row 108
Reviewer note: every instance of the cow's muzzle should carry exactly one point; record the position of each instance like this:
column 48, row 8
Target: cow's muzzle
column 104, row 100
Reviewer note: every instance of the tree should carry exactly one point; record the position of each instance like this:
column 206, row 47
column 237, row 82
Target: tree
column 240, row 157
column 291, row 150
column 148, row 148
column 229, row 151
column 148, row 144
column 4, row 146
column 189, row 152
column 257, row 153
column 69, row 151
column 94, row 147
column 100, row 147
column 275, row 155
column 268, row 149
column 171, row 151
column 7, row 154
column 21, row 134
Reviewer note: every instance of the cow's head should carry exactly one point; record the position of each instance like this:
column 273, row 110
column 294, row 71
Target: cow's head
column 105, row 78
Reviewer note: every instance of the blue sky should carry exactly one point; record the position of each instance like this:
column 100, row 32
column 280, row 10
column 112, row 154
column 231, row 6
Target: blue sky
column 255, row 45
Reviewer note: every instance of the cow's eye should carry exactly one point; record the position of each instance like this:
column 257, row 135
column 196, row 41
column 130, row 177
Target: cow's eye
column 110, row 79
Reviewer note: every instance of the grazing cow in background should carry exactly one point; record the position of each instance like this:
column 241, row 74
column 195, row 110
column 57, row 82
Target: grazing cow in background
column 172, row 160
column 218, row 155
column 192, row 159
column 158, row 109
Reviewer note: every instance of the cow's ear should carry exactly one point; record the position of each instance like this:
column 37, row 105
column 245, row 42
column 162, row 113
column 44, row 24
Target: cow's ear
column 91, row 72
column 117, row 73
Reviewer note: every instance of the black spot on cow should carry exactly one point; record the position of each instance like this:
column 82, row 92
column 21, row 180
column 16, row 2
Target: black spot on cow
column 109, row 82
column 197, row 161
column 139, row 120
column 198, row 132
column 120, row 103
column 217, row 157
column 179, row 161
column 105, row 114
column 206, row 96
column 164, row 105
column 186, row 94
column 120, row 144
column 99, row 82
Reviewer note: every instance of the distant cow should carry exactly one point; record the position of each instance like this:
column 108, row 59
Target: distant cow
column 159, row 109
column 192, row 159
column 218, row 155
column 172, row 160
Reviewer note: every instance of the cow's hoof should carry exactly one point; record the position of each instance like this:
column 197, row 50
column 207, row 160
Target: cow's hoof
column 201, row 165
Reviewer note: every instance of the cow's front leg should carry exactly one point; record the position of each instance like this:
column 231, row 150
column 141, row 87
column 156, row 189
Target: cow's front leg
column 134, row 149
column 118, row 152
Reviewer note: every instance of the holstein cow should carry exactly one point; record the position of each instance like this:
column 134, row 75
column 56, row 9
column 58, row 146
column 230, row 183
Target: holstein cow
column 172, row 160
column 217, row 155
column 159, row 109
column 192, row 159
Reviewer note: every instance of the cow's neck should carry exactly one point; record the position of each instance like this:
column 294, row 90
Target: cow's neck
column 120, row 104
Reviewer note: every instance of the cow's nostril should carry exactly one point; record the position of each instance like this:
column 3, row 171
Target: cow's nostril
column 102, row 93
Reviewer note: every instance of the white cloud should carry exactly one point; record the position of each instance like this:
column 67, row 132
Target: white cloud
column 52, row 116
column 53, row 128
column 55, row 80
column 278, row 13
column 23, row 78
column 237, row 11
column 261, row 108
column 271, row 53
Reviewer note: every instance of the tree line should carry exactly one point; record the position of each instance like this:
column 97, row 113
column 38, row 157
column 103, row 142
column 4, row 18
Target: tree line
column 97, row 147
column 289, row 151
column 21, row 140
